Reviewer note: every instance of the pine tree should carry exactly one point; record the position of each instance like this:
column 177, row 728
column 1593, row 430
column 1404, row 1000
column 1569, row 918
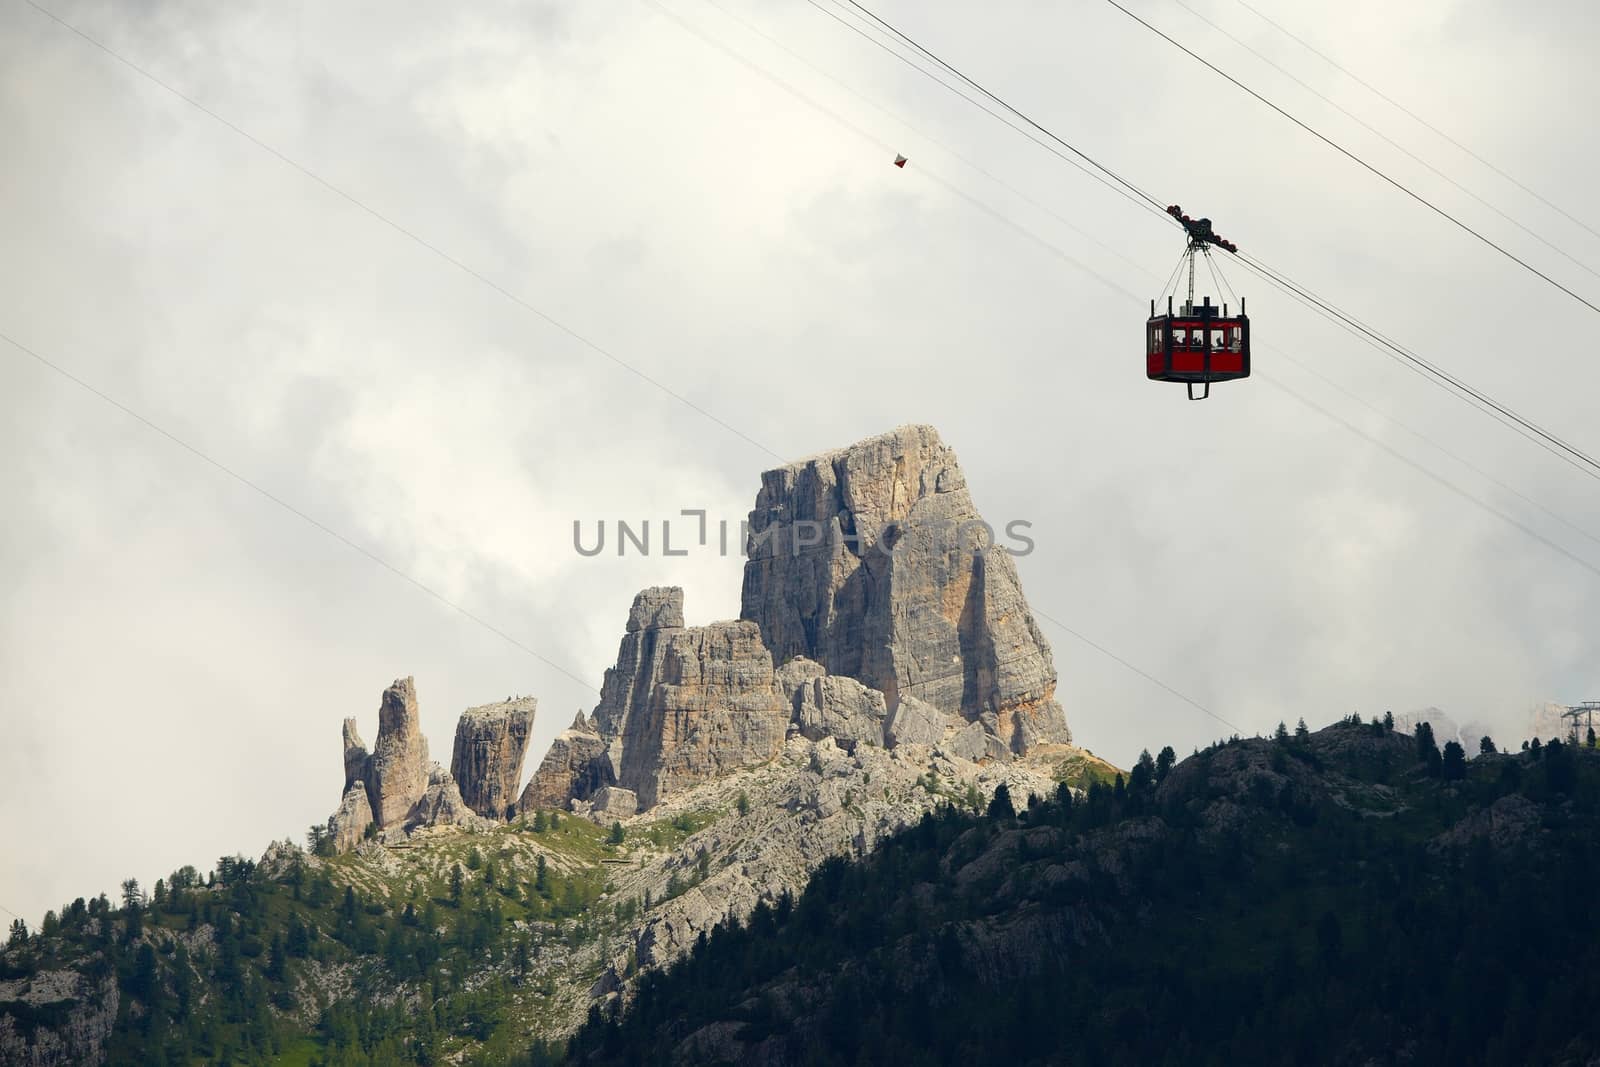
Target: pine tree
column 1485, row 746
column 456, row 878
column 1427, row 748
column 1142, row 779
column 1454, row 762
column 617, row 834
column 1281, row 734
column 1001, row 807
column 1164, row 762
column 1300, row 731
column 539, row 823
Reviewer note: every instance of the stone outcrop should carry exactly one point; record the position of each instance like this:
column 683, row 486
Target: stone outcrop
column 348, row 825
column 916, row 723
column 616, row 802
column 398, row 772
column 658, row 608
column 441, row 803
column 487, row 759
column 873, row 561
column 355, row 755
column 682, row 704
column 840, row 708
column 573, row 767
column 704, row 703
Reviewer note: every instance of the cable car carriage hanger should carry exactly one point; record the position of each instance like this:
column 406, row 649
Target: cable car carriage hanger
column 1198, row 343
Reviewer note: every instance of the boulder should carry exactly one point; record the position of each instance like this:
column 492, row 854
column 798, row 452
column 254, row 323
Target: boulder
column 486, row 762
column 616, row 802
column 917, row 723
column 840, row 708
column 873, row 561
column 969, row 744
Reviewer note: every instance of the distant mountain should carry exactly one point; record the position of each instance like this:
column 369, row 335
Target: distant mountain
column 885, row 664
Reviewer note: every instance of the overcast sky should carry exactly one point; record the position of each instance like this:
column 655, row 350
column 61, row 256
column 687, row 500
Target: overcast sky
column 177, row 652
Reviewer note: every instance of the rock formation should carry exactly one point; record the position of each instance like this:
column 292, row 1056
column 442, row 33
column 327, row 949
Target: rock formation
column 441, row 803
column 487, row 759
column 571, row 768
column 355, row 755
column 876, row 611
column 397, row 770
column 686, row 703
column 682, row 704
column 840, row 708
column 873, row 561
column 348, row 825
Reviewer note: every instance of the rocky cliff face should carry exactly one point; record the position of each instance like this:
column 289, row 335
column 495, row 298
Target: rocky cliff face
column 487, row 760
column 348, row 825
column 397, row 771
column 876, row 611
column 573, row 767
column 873, row 561
column 682, row 704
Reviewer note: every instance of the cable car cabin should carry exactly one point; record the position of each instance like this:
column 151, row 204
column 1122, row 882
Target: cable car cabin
column 1197, row 345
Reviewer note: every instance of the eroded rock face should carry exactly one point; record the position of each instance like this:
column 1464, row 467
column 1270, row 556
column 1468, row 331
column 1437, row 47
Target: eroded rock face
column 870, row 561
column 441, row 803
column 681, row 705
column 615, row 802
column 348, row 825
column 355, row 755
column 709, row 705
column 487, row 759
column 572, row 767
column 840, row 708
column 917, row 723
column 397, row 771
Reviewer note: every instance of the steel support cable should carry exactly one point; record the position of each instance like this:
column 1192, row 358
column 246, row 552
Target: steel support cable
column 1446, row 380
column 292, row 509
column 1392, row 102
column 1579, row 458
column 1554, row 546
column 1440, row 479
column 1390, row 350
column 1396, row 145
column 1380, row 342
column 1123, row 188
column 1324, row 138
column 966, row 161
column 1430, row 442
column 873, row 139
column 992, row 96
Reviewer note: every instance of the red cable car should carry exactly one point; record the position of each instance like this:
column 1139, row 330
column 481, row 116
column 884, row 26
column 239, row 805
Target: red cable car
column 1198, row 343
